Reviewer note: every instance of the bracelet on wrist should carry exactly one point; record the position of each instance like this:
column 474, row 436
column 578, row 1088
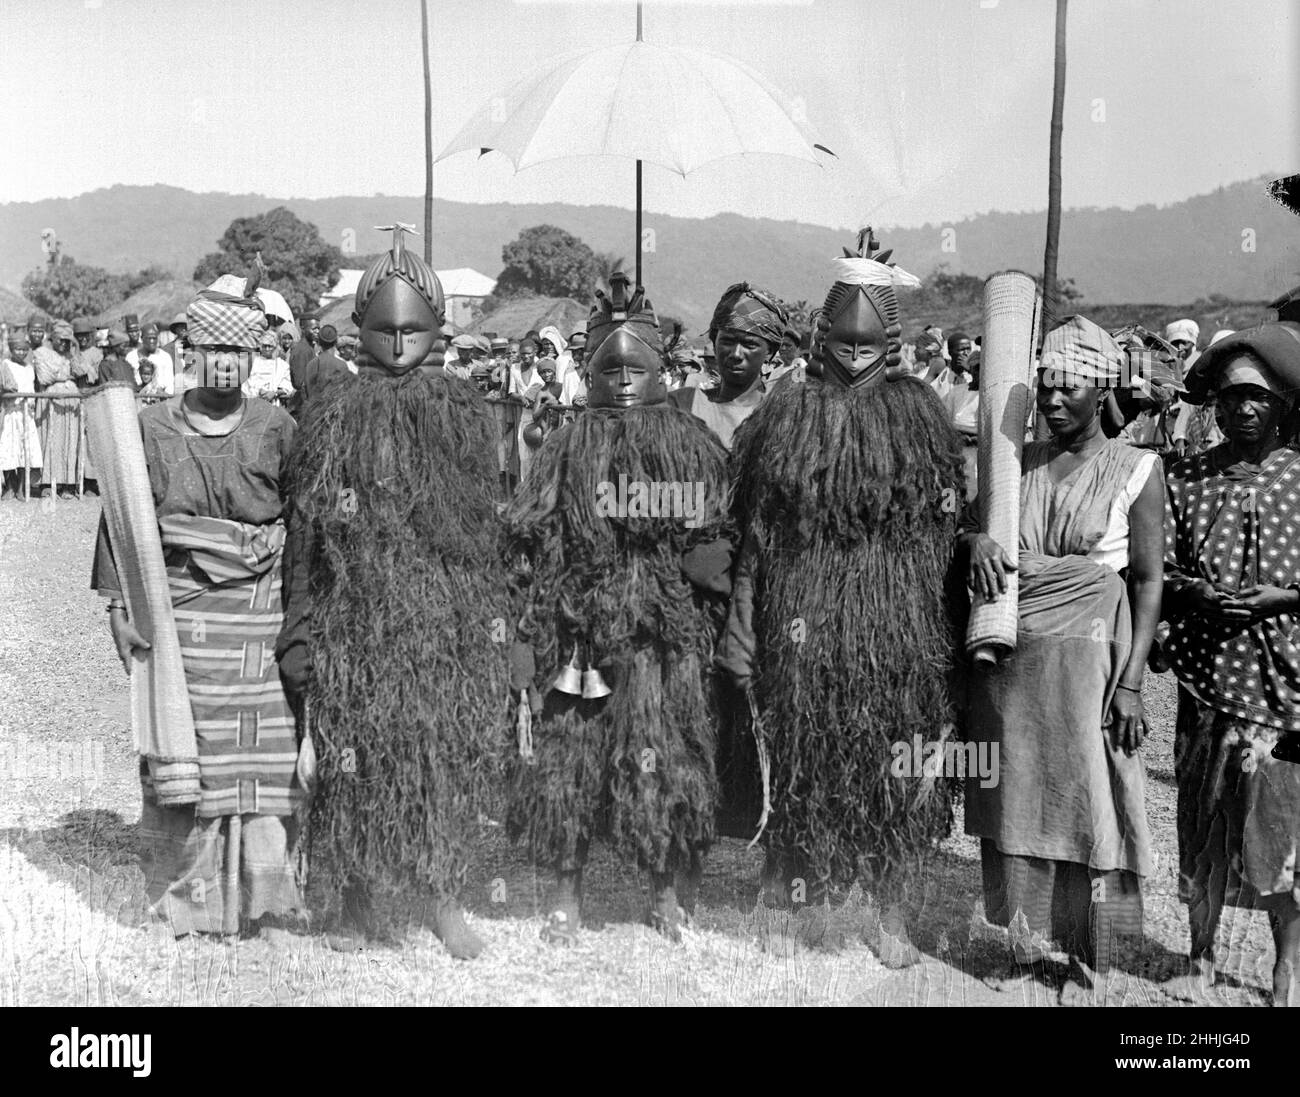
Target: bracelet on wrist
column 115, row 605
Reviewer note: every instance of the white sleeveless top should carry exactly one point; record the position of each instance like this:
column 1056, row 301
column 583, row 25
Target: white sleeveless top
column 1112, row 549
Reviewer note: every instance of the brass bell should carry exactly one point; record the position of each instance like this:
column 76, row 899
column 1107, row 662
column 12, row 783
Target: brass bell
column 571, row 679
column 593, row 685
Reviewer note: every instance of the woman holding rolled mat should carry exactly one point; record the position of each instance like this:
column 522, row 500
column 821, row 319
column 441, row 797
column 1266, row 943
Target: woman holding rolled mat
column 1232, row 592
column 1062, row 828
column 216, row 460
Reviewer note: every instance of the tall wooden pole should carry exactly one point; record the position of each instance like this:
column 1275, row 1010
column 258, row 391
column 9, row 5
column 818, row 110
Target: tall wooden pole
column 1051, row 302
column 428, row 137
column 638, row 177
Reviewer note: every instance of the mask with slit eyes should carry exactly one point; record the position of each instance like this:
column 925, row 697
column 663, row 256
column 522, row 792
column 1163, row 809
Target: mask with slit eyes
column 625, row 349
column 399, row 312
column 856, row 337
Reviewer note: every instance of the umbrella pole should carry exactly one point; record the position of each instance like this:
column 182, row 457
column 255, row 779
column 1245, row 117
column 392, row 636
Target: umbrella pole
column 638, row 211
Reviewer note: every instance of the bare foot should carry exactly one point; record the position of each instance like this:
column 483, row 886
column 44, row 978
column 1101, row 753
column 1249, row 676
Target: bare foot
column 1198, row 984
column 457, row 938
column 666, row 915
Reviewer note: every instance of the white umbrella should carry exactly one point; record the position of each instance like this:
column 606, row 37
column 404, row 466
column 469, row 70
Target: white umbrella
column 676, row 107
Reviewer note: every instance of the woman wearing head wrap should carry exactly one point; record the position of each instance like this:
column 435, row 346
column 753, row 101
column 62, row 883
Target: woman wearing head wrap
column 846, row 489
column 1232, row 593
column 599, row 540
column 1063, row 831
column 216, row 467
column 1147, row 403
column 20, row 439
column 60, row 420
column 746, row 331
column 393, row 601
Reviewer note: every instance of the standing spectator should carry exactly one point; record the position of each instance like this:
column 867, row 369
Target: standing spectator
column 184, row 373
column 37, row 326
column 303, row 352
column 1196, row 429
column 747, row 329
column 788, row 362
column 1232, row 593
column 115, row 366
column 162, row 381
column 131, row 325
column 463, row 361
column 957, row 372
column 288, row 336
column 1063, row 832
column 20, row 439
column 929, row 357
column 60, row 419
column 325, row 368
column 86, row 357
column 268, row 378
column 348, row 351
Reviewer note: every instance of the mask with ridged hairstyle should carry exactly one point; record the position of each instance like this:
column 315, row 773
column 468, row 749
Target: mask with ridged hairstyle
column 399, row 310
column 855, row 340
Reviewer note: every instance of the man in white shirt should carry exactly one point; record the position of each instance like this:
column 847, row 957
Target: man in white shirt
column 163, row 383
column 957, row 373
column 269, row 376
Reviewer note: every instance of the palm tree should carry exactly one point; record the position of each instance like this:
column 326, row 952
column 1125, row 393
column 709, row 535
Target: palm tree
column 607, row 262
column 1050, row 294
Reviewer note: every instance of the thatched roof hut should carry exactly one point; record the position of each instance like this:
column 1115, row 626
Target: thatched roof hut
column 14, row 308
column 158, row 302
column 523, row 314
column 339, row 313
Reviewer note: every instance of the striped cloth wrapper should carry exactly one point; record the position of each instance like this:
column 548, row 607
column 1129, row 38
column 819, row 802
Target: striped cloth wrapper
column 224, row 550
column 226, row 595
column 160, row 700
column 1011, row 309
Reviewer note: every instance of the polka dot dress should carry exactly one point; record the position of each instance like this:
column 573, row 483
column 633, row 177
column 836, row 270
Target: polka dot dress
column 1237, row 526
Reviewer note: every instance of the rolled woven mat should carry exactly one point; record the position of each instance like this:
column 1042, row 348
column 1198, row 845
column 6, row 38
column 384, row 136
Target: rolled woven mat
column 1010, row 310
column 160, row 701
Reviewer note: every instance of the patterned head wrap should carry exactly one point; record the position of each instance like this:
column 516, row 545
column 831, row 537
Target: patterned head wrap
column 19, row 339
column 1150, row 360
column 1277, row 345
column 222, row 320
column 63, row 330
column 752, row 310
column 1077, row 353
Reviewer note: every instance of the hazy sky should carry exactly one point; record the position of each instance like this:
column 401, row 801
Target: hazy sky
column 937, row 108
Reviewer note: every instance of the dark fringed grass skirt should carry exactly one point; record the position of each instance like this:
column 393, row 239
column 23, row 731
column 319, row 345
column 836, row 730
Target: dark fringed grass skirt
column 635, row 769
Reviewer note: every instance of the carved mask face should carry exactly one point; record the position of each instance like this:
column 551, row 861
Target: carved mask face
column 854, row 347
column 624, row 372
column 399, row 330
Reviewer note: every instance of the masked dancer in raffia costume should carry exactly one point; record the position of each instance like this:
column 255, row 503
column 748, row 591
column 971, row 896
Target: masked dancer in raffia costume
column 607, row 592
column 219, row 837
column 847, row 491
column 388, row 635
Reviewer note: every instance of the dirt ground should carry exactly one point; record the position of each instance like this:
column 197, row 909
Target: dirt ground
column 74, row 927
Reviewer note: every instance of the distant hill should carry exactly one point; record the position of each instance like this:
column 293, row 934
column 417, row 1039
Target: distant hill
column 1234, row 242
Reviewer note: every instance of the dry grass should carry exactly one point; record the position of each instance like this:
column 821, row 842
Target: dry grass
column 73, row 924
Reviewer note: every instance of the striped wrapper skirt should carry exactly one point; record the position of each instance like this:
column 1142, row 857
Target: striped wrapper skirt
column 248, row 745
column 202, row 874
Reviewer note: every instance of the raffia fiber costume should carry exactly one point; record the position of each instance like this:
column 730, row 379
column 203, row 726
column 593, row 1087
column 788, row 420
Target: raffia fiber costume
column 394, row 594
column 847, row 490
column 635, row 768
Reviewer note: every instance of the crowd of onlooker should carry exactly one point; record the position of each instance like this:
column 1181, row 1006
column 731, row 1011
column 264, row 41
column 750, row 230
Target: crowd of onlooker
column 542, row 374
